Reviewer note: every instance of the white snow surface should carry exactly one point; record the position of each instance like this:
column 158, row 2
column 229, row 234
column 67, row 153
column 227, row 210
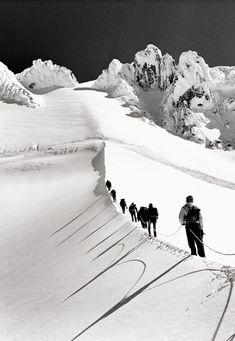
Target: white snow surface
column 72, row 266
column 46, row 74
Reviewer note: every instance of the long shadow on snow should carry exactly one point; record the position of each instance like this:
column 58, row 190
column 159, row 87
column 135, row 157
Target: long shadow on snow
column 114, row 244
column 115, row 215
column 144, row 269
column 227, row 301
column 72, row 234
column 128, row 299
column 224, row 311
column 106, row 269
column 103, row 240
column 61, row 228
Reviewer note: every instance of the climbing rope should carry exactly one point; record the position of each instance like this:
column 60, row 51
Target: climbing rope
column 172, row 234
column 221, row 253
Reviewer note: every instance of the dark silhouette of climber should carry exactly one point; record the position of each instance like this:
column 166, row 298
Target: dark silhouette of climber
column 108, row 185
column 152, row 219
column 190, row 216
column 113, row 195
column 123, row 205
column 142, row 216
column 133, row 211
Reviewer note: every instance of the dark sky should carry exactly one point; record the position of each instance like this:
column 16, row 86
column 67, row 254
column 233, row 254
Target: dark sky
column 86, row 35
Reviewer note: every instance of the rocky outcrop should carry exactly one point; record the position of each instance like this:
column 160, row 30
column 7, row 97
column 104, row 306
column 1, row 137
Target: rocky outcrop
column 192, row 83
column 150, row 74
column 11, row 91
column 45, row 74
column 197, row 88
column 150, row 70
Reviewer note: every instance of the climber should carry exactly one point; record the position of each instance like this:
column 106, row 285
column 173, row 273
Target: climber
column 190, row 216
column 152, row 219
column 133, row 211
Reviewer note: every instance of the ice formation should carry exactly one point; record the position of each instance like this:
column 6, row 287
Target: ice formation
column 46, row 74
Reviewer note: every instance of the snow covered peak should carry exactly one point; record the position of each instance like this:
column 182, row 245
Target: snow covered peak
column 110, row 77
column 150, row 55
column 150, row 70
column 11, row 91
column 192, row 83
column 194, row 66
column 45, row 74
column 111, row 81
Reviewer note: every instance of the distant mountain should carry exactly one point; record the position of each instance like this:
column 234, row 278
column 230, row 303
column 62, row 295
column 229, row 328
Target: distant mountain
column 189, row 99
column 11, row 91
column 45, row 75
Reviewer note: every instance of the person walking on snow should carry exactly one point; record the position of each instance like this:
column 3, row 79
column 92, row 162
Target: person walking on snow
column 133, row 211
column 152, row 219
column 108, row 185
column 142, row 216
column 123, row 205
column 113, row 195
column 190, row 216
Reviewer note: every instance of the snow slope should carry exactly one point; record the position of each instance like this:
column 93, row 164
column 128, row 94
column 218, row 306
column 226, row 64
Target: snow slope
column 73, row 267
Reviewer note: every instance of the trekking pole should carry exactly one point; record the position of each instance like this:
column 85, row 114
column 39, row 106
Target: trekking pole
column 221, row 253
column 169, row 235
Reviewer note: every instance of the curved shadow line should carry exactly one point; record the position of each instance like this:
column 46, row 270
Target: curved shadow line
column 141, row 275
column 105, row 270
column 227, row 302
column 99, row 228
column 126, row 300
column 224, row 311
column 76, row 216
column 102, row 241
column 187, row 274
column 93, row 218
column 110, row 247
column 123, row 246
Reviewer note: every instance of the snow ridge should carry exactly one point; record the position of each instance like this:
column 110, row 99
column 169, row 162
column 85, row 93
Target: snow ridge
column 11, row 91
column 43, row 74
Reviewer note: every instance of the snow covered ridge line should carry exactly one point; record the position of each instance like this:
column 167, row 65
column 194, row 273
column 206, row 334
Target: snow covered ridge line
column 11, row 91
column 43, row 74
column 18, row 88
column 64, row 148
